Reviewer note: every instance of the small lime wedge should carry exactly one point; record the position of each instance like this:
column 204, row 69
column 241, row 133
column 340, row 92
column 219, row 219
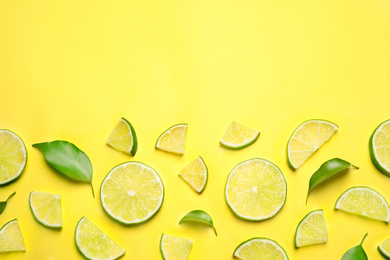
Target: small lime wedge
column 46, row 209
column 173, row 139
column 195, row 174
column 238, row 136
column 175, row 248
column 311, row 230
column 123, row 137
column 260, row 248
column 11, row 238
column 380, row 147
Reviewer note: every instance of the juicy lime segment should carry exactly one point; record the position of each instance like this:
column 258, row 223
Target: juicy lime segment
column 364, row 201
column 132, row 193
column 123, row 137
column 195, row 174
column 260, row 248
column 238, row 136
column 311, row 230
column 11, row 238
column 46, row 209
column 173, row 139
column 380, row 147
column 306, row 139
column 175, row 248
column 94, row 243
column 255, row 190
column 384, row 248
column 13, row 156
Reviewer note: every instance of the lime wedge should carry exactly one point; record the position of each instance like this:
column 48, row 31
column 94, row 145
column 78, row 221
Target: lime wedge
column 11, row 238
column 195, row 174
column 238, row 136
column 255, row 190
column 380, row 147
column 306, row 139
column 123, row 137
column 46, row 209
column 173, row 139
column 93, row 243
column 311, row 230
column 132, row 193
column 260, row 248
column 384, row 248
column 13, row 156
column 364, row 201
column 175, row 248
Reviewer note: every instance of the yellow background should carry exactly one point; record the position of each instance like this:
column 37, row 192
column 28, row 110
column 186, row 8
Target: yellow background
column 70, row 69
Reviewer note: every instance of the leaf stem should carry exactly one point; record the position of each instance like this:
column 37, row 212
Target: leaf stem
column 93, row 191
column 361, row 243
column 11, row 196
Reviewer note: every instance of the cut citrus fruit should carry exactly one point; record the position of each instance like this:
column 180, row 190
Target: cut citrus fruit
column 123, row 137
column 260, row 248
column 364, row 201
column 11, row 238
column 311, row 230
column 384, row 248
column 46, row 209
column 195, row 174
column 238, row 136
column 13, row 156
column 174, row 248
column 306, row 139
column 94, row 243
column 173, row 140
column 132, row 193
column 255, row 190
column 380, row 147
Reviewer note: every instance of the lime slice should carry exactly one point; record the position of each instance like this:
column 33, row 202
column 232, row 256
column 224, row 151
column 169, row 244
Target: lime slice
column 384, row 248
column 311, row 230
column 173, row 140
column 46, row 209
column 175, row 248
column 255, row 190
column 306, row 139
column 11, row 238
column 195, row 174
column 260, row 248
column 364, row 201
column 238, row 136
column 13, row 156
column 93, row 243
column 380, row 147
column 132, row 193
column 123, row 137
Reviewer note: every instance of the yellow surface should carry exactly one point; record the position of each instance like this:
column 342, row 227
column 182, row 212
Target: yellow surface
column 70, row 69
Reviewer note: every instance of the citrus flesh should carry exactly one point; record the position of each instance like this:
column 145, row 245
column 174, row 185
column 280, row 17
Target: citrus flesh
column 175, row 248
column 46, row 209
column 380, row 147
column 311, row 230
column 260, row 249
column 11, row 238
column 123, row 137
column 173, row 140
column 195, row 174
column 238, row 136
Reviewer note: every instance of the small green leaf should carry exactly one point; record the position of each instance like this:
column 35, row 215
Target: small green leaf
column 67, row 159
column 3, row 204
column 327, row 170
column 356, row 253
column 199, row 216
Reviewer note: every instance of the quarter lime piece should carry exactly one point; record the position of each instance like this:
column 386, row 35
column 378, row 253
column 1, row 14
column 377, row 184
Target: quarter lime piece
column 255, row 190
column 380, row 147
column 238, row 136
column 384, row 248
column 132, row 193
column 94, row 243
column 175, row 248
column 306, row 139
column 123, row 137
column 173, row 139
column 195, row 174
column 13, row 156
column 311, row 230
column 364, row 201
column 11, row 238
column 260, row 248
column 46, row 209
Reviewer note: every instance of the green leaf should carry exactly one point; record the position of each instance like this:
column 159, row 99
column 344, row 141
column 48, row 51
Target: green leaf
column 356, row 253
column 67, row 159
column 199, row 216
column 3, row 204
column 327, row 170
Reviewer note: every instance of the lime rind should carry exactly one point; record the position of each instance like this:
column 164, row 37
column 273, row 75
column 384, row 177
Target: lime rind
column 242, row 145
column 23, row 166
column 379, row 165
column 296, row 129
column 134, row 146
column 42, row 221
column 308, row 215
column 162, row 249
column 385, row 253
column 205, row 169
column 263, row 239
column 157, row 146
column 22, row 247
